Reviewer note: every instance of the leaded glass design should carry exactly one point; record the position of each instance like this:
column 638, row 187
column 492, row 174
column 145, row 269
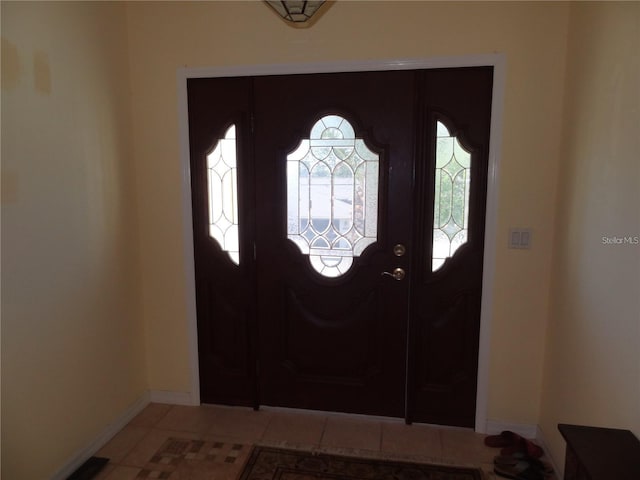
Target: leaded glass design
column 332, row 196
column 222, row 183
column 451, row 205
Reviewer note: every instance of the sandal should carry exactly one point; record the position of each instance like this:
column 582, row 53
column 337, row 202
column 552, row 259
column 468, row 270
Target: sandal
column 512, row 443
column 524, row 446
column 511, row 460
column 505, row 439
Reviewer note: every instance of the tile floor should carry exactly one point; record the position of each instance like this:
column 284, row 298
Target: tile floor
column 213, row 442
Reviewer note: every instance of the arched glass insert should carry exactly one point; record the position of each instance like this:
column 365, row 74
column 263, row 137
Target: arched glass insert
column 451, row 204
column 222, row 183
column 332, row 196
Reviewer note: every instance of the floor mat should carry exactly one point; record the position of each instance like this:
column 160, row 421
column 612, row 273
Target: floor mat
column 180, row 458
column 267, row 463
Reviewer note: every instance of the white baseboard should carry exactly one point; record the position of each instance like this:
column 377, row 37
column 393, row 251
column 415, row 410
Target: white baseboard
column 101, row 439
column 173, row 398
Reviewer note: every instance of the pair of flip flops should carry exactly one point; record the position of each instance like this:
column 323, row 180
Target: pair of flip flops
column 519, row 457
column 512, row 443
column 520, row 466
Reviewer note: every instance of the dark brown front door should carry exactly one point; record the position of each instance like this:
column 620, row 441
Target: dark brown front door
column 334, row 343
column 335, row 293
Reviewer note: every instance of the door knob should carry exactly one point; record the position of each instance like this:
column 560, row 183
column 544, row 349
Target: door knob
column 397, row 274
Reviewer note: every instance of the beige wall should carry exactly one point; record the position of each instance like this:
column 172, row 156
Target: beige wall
column 72, row 342
column 592, row 368
column 166, row 36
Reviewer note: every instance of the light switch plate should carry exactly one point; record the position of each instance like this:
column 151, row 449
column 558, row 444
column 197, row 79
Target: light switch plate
column 520, row 238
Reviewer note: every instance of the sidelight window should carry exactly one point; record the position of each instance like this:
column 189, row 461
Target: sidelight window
column 451, row 204
column 222, row 183
column 332, row 196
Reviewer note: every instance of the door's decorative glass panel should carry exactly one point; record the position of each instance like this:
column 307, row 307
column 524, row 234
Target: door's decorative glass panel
column 222, row 183
column 451, row 200
column 332, row 196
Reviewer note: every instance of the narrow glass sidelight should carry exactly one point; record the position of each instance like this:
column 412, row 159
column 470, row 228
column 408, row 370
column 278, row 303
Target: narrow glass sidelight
column 332, row 196
column 451, row 200
column 222, row 184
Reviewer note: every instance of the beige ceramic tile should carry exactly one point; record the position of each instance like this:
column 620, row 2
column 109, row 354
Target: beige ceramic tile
column 295, row 429
column 151, row 415
column 243, row 424
column 345, row 432
column 188, row 419
column 466, row 446
column 122, row 443
column 123, row 473
column 229, row 439
column 149, row 445
column 421, row 440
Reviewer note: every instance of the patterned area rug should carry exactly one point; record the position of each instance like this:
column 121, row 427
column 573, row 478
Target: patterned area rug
column 266, row 463
column 181, row 459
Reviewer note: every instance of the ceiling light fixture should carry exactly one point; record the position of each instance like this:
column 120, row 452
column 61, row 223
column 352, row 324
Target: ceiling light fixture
column 296, row 11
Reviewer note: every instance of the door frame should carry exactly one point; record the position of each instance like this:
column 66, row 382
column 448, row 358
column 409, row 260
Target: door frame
column 495, row 60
